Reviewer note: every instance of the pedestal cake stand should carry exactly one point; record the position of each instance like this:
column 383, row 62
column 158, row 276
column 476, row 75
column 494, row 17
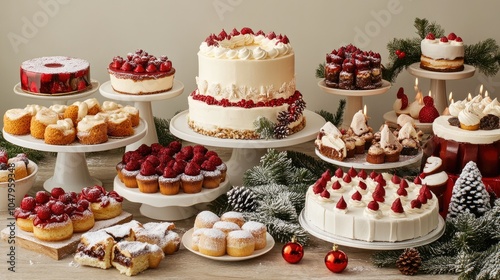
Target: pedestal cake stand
column 246, row 153
column 375, row 245
column 57, row 98
column 71, row 171
column 438, row 81
column 143, row 103
column 170, row 207
column 354, row 98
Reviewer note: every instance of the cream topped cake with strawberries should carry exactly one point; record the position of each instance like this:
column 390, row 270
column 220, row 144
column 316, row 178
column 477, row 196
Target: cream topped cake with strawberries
column 244, row 76
column 445, row 54
column 371, row 207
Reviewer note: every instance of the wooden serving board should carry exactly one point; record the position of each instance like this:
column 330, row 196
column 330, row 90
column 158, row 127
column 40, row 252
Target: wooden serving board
column 60, row 249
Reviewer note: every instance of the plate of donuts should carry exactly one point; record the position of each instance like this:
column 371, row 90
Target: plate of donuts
column 188, row 243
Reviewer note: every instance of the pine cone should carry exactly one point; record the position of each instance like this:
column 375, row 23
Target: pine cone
column 409, row 261
column 282, row 117
column 281, row 131
column 242, row 199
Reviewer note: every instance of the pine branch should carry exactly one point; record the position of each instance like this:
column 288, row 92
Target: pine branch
column 264, row 127
column 439, row 265
column 337, row 118
column 282, row 231
column 490, row 268
column 13, row 150
column 163, row 131
column 320, row 71
column 386, row 258
column 314, row 165
column 484, row 56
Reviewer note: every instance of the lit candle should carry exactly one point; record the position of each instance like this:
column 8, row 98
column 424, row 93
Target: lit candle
column 469, row 97
column 430, row 93
column 364, row 112
column 416, row 85
column 486, row 94
column 481, row 89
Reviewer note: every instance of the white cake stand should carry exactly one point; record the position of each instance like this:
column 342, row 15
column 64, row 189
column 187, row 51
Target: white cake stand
column 143, row 104
column 376, row 245
column 359, row 161
column 354, row 98
column 392, row 118
column 170, row 207
column 57, row 98
column 246, row 153
column 438, row 81
column 71, row 171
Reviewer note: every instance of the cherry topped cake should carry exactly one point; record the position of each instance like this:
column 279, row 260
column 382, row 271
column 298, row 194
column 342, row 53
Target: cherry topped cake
column 141, row 73
column 444, row 54
column 55, row 75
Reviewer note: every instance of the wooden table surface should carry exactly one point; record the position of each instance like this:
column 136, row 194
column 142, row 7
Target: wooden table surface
column 184, row 264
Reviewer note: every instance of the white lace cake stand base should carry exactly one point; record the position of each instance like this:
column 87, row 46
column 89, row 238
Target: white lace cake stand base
column 143, row 104
column 375, row 245
column 71, row 171
column 246, row 153
column 170, row 207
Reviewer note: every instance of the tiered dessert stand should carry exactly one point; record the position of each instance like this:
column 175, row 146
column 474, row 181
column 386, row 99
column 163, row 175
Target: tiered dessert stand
column 437, row 89
column 158, row 206
column 354, row 97
column 143, row 103
column 71, row 169
column 246, row 153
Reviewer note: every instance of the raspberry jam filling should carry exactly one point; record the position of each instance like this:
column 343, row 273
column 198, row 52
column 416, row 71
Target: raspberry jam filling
column 210, row 100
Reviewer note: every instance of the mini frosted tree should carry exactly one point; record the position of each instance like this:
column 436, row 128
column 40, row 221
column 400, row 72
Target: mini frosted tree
column 469, row 193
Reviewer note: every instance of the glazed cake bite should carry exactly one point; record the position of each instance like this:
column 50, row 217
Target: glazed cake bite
column 244, row 76
column 55, row 75
column 141, row 73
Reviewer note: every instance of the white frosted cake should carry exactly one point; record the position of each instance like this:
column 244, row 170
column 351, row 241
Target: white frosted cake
column 242, row 77
column 445, row 54
column 375, row 207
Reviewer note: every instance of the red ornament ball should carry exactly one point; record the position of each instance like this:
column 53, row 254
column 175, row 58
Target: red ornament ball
column 292, row 251
column 336, row 260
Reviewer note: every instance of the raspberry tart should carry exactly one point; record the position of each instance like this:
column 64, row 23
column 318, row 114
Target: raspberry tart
column 25, row 214
column 52, row 223
column 141, row 73
column 105, row 205
column 55, row 75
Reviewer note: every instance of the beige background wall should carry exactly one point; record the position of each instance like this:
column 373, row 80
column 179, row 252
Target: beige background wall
column 97, row 30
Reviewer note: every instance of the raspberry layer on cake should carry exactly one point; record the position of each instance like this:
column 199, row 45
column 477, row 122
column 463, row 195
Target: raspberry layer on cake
column 141, row 73
column 244, row 76
column 55, row 75
column 445, row 54
column 380, row 207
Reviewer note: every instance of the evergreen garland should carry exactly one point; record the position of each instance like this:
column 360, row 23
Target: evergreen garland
column 483, row 55
column 13, row 150
column 264, row 127
column 469, row 247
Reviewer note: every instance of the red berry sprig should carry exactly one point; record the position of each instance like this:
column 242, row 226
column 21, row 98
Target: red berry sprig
column 400, row 54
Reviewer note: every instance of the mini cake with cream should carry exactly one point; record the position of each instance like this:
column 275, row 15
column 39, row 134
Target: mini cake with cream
column 55, row 75
column 141, row 73
column 329, row 142
column 392, row 208
column 445, row 54
column 244, row 76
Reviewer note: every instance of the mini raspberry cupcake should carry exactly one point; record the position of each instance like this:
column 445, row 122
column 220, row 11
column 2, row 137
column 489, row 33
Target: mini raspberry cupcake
column 147, row 179
column 169, row 182
column 192, row 179
column 129, row 173
column 211, row 175
column 221, row 166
